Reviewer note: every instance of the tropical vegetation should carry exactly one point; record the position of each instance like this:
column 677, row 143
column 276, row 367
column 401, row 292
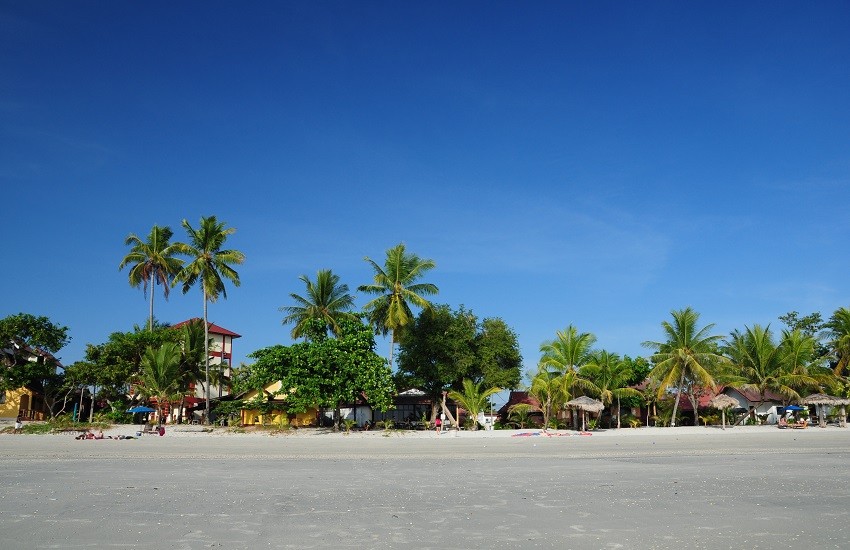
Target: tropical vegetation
column 443, row 351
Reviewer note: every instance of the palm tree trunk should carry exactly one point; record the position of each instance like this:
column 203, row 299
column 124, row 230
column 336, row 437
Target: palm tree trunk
column 676, row 401
column 150, row 316
column 206, row 359
column 618, row 412
column 392, row 345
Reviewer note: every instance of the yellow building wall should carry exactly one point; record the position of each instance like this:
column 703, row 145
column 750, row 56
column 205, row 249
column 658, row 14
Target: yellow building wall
column 10, row 408
column 274, row 418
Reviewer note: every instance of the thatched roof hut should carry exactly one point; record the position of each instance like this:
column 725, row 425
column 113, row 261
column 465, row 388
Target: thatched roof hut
column 586, row 404
column 818, row 399
column 722, row 401
column 823, row 401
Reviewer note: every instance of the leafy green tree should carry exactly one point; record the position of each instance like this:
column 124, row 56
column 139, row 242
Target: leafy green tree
column 209, row 266
column 161, row 375
column 610, row 375
column 117, row 362
column 688, row 354
column 152, row 262
column 327, row 372
column 473, row 399
column 326, row 299
column 23, row 338
column 441, row 347
column 397, row 289
column 498, row 358
column 811, row 325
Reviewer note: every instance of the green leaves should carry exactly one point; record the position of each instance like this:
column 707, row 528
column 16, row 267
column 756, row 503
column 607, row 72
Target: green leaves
column 325, row 372
column 326, row 303
column 442, row 347
column 396, row 287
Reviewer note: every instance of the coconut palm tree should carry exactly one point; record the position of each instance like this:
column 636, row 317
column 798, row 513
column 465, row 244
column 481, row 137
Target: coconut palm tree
column 546, row 388
column 191, row 359
column 397, row 289
column 208, row 265
column 688, row 353
column 161, row 375
column 569, row 351
column 473, row 399
column 326, row 299
column 766, row 366
column 152, row 262
column 565, row 355
column 610, row 375
column 838, row 332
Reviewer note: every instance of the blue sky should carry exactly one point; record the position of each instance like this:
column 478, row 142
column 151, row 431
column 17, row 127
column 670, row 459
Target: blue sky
column 590, row 163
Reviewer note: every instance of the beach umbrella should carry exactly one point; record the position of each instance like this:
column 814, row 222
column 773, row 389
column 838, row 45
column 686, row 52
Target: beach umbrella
column 794, row 408
column 141, row 409
column 585, row 404
column 723, row 402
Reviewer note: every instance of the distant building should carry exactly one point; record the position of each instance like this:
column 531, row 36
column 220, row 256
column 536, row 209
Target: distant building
column 221, row 360
column 26, row 401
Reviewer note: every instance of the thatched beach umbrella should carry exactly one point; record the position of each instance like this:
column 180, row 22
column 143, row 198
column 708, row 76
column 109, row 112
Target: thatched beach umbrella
column 723, row 402
column 586, row 404
column 842, row 418
column 821, row 400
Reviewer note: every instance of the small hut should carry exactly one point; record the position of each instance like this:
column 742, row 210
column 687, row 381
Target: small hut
column 822, row 401
column 585, row 404
column 723, row 402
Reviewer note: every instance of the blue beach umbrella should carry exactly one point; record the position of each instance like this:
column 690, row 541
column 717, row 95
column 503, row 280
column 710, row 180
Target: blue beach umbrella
column 141, row 409
column 794, row 408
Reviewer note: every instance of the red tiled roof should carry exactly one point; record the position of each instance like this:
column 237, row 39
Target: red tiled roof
column 214, row 329
column 518, row 397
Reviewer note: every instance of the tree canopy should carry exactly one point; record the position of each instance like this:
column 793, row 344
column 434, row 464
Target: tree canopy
column 22, row 337
column 442, row 347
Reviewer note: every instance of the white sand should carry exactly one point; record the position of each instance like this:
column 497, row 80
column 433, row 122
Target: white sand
column 753, row 487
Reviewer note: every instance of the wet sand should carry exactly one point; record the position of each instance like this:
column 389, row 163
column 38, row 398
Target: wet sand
column 648, row 488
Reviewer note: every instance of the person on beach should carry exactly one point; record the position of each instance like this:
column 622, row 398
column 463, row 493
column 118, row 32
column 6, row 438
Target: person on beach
column 19, row 424
column 438, row 425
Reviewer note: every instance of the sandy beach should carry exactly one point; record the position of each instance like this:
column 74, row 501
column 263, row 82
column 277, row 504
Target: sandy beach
column 752, row 487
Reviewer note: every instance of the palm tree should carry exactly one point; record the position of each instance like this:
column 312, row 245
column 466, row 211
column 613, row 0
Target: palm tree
column 473, row 399
column 161, row 374
column 611, row 375
column 570, row 350
column 687, row 354
column 152, row 261
column 191, row 358
column 396, row 287
column 838, row 331
column 546, row 388
column 208, row 264
column 326, row 300
column 763, row 364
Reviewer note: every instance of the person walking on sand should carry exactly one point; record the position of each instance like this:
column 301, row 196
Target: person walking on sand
column 438, row 425
column 19, row 424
